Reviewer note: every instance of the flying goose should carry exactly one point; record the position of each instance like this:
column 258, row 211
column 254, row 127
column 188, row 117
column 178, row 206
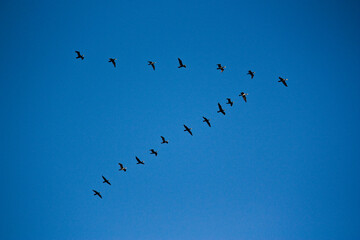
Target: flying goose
column 251, row 74
column 181, row 64
column 97, row 193
column 113, row 61
column 79, row 55
column 163, row 140
column 106, row 181
column 152, row 64
column 243, row 95
column 187, row 130
column 139, row 161
column 207, row 121
column 122, row 168
column 153, row 152
column 283, row 81
column 222, row 68
column 221, row 110
column 229, row 102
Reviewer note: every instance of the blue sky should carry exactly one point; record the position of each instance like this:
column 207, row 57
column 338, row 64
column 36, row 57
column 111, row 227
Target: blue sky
column 284, row 165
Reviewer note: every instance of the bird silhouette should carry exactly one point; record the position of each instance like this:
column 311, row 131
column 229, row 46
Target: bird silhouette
column 181, row 64
column 153, row 152
column 163, row 140
column 97, row 193
column 152, row 64
column 106, row 181
column 207, row 121
column 243, row 96
column 229, row 102
column 222, row 68
column 187, row 130
column 79, row 55
column 283, row 81
column 221, row 110
column 139, row 161
column 251, row 74
column 122, row 168
column 113, row 61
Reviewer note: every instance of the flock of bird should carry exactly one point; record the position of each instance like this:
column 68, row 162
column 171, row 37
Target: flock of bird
column 186, row 128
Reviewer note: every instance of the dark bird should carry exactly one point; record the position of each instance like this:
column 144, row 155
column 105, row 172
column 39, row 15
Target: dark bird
column 229, row 102
column 283, row 81
column 122, row 168
column 187, row 130
column 221, row 110
column 153, row 152
column 139, row 161
column 79, row 55
column 243, row 95
column 152, row 64
column 106, row 181
column 222, row 68
column 97, row 193
column 251, row 74
column 207, row 121
column 181, row 64
column 113, row 61
column 163, row 140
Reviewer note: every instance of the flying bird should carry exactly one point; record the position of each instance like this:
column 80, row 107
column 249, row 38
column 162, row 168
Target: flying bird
column 187, row 130
column 229, row 102
column 222, row 68
column 113, row 61
column 181, row 64
column 251, row 74
column 163, row 140
column 139, row 161
column 207, row 121
column 152, row 64
column 221, row 110
column 283, row 81
column 106, row 181
column 243, row 95
column 79, row 55
column 153, row 152
column 122, row 168
column 97, row 193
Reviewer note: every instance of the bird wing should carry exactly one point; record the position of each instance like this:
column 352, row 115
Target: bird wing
column 284, row 82
column 153, row 66
column 121, row 166
column 219, row 65
column 163, row 138
column 113, row 61
column 180, row 61
column 104, row 178
column 244, row 97
column 78, row 53
column 190, row 132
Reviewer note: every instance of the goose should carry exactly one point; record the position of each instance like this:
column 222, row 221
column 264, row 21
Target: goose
column 79, row 55
column 187, row 130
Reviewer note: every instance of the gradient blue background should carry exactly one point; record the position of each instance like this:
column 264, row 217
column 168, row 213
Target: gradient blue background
column 285, row 165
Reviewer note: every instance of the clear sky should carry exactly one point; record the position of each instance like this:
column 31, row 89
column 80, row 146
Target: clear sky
column 284, row 165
